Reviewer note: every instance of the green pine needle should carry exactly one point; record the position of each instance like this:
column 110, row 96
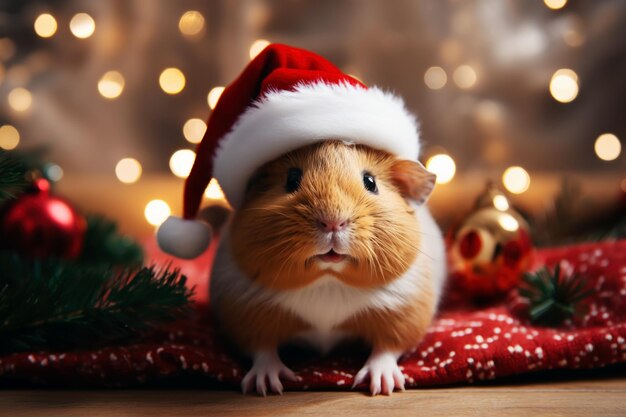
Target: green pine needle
column 554, row 297
column 53, row 304
column 12, row 176
column 104, row 244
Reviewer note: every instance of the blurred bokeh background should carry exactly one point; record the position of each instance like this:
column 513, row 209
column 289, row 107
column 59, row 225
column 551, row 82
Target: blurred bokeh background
column 523, row 93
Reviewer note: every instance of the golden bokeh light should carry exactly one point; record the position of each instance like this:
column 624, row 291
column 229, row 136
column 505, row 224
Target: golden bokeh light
column 172, row 80
column 214, row 191
column 464, row 77
column 508, row 222
column 500, row 203
column 214, row 96
column 607, row 147
column 45, row 25
column 193, row 130
column 555, row 4
column 156, row 212
column 20, row 99
column 435, row 78
column 443, row 166
column 191, row 23
column 9, row 137
column 181, row 162
column 82, row 25
column 257, row 47
column 111, row 84
column 128, row 170
column 564, row 85
column 568, row 73
column 516, row 179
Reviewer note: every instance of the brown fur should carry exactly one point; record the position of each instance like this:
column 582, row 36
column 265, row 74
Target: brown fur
column 274, row 233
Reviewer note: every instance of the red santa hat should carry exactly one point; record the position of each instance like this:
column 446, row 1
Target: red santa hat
column 284, row 99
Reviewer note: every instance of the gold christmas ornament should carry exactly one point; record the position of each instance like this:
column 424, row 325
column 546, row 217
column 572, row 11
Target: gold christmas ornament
column 491, row 248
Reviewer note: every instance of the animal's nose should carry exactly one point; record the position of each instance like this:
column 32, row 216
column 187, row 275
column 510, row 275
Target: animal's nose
column 331, row 225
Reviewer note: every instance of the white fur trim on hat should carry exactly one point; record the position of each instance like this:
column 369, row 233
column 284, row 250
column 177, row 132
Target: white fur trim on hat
column 283, row 121
column 182, row 238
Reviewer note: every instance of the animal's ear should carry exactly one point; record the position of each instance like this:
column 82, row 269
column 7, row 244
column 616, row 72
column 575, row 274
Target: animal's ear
column 413, row 180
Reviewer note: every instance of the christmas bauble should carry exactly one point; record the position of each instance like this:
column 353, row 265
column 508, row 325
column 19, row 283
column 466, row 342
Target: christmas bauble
column 42, row 225
column 490, row 250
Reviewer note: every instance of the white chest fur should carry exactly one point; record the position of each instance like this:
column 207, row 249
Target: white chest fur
column 328, row 302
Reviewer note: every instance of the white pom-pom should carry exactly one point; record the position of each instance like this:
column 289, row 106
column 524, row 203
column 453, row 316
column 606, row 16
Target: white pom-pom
column 182, row 238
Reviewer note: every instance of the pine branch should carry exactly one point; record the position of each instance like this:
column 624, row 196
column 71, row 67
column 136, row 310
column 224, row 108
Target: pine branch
column 12, row 176
column 52, row 304
column 554, row 297
column 104, row 244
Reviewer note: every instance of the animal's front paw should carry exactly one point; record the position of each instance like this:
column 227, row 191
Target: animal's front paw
column 383, row 372
column 267, row 367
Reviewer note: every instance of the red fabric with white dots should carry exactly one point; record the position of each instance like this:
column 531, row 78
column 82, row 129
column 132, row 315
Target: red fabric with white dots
column 462, row 346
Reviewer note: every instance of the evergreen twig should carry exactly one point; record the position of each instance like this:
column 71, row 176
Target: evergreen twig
column 554, row 297
column 54, row 304
column 104, row 244
column 12, row 176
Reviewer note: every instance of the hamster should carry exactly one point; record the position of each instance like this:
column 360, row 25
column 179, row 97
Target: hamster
column 332, row 242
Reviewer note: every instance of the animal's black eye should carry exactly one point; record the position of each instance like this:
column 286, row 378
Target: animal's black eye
column 294, row 177
column 370, row 183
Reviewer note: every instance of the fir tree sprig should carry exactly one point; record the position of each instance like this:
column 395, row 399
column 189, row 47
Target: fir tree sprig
column 12, row 176
column 104, row 244
column 553, row 296
column 54, row 304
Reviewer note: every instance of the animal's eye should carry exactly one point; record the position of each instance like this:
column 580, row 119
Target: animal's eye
column 294, row 177
column 370, row 183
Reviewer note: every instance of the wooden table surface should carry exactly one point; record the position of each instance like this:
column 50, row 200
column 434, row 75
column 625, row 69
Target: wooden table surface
column 600, row 394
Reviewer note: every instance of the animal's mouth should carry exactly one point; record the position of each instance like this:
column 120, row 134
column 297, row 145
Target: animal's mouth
column 332, row 256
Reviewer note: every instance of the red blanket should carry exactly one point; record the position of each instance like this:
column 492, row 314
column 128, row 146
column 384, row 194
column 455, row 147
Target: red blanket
column 461, row 346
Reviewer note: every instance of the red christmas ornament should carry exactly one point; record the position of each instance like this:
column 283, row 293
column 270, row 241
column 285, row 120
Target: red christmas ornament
column 41, row 225
column 490, row 250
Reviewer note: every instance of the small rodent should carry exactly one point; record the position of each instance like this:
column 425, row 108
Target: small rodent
column 332, row 241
